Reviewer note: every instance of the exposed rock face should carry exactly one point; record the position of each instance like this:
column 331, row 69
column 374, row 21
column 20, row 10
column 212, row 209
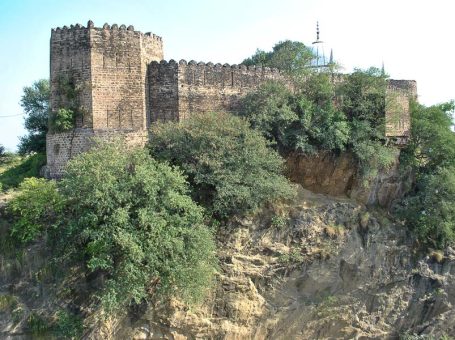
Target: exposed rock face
column 318, row 268
column 332, row 270
column 334, row 175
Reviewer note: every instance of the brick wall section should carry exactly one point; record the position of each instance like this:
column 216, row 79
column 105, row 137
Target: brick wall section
column 119, row 58
column 208, row 87
column 179, row 89
column 163, row 91
column 398, row 117
column 70, row 57
column 61, row 147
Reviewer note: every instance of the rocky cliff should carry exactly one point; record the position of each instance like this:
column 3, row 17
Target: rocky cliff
column 314, row 268
column 317, row 268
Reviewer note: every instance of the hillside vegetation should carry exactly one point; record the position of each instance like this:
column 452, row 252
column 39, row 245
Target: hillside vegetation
column 126, row 228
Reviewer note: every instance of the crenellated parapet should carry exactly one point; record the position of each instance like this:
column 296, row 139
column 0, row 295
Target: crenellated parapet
column 122, row 84
column 179, row 89
column 398, row 116
column 102, row 72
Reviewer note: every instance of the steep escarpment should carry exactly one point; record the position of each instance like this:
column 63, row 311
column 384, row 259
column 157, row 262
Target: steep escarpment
column 317, row 268
column 314, row 268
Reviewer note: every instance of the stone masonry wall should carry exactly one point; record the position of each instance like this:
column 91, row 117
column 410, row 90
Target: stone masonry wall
column 163, row 91
column 180, row 89
column 119, row 58
column 109, row 67
column 123, row 88
column 70, row 58
column 61, row 147
column 398, row 117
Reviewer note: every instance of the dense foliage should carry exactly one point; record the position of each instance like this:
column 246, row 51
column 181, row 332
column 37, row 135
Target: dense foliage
column 289, row 56
column 35, row 207
column 69, row 108
column 231, row 168
column 14, row 169
column 126, row 218
column 35, row 102
column 323, row 114
column 429, row 208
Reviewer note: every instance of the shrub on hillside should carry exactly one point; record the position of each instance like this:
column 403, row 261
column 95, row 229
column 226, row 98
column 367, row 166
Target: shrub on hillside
column 319, row 114
column 129, row 217
column 231, row 168
column 35, row 208
column 429, row 208
column 124, row 217
column 430, row 211
column 19, row 168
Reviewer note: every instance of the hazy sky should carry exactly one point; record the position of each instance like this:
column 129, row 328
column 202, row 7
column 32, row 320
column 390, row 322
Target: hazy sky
column 414, row 38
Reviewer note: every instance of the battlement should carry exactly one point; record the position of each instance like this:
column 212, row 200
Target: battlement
column 124, row 85
column 408, row 86
column 178, row 89
column 106, row 27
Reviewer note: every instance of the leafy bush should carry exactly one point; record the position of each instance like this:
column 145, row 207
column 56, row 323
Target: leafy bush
column 37, row 325
column 35, row 102
column 20, row 168
column 321, row 114
column 67, row 325
column 230, row 166
column 429, row 209
column 63, row 120
column 34, row 208
column 128, row 218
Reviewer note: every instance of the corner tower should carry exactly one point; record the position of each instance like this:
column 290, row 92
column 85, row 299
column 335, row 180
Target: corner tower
column 102, row 72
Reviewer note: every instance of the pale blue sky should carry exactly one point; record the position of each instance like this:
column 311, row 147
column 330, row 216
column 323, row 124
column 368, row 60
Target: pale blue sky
column 414, row 38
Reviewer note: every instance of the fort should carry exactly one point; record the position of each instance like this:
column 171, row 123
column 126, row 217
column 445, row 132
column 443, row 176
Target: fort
column 122, row 85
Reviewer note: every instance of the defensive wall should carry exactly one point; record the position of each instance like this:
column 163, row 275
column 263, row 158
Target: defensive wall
column 179, row 89
column 123, row 85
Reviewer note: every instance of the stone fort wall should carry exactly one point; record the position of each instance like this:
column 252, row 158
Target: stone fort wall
column 179, row 89
column 109, row 67
column 398, row 117
column 61, row 147
column 125, row 85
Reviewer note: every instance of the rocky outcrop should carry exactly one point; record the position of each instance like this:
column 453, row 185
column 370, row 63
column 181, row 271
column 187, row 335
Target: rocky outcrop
column 336, row 175
column 314, row 268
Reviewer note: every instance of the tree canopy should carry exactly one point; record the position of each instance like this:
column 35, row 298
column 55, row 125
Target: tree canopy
column 35, row 102
column 231, row 168
column 125, row 217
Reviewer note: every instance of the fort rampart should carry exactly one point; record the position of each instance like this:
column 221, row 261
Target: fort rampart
column 122, row 85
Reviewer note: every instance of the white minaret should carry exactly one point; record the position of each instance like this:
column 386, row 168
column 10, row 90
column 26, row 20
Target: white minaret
column 320, row 61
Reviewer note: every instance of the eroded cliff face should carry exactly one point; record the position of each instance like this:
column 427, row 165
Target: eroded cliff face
column 315, row 268
column 336, row 175
column 324, row 268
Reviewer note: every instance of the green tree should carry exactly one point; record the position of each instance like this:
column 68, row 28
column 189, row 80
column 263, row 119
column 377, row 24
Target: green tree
column 230, row 166
column 432, row 142
column 35, row 207
column 429, row 207
column 291, row 57
column 35, row 102
column 129, row 218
